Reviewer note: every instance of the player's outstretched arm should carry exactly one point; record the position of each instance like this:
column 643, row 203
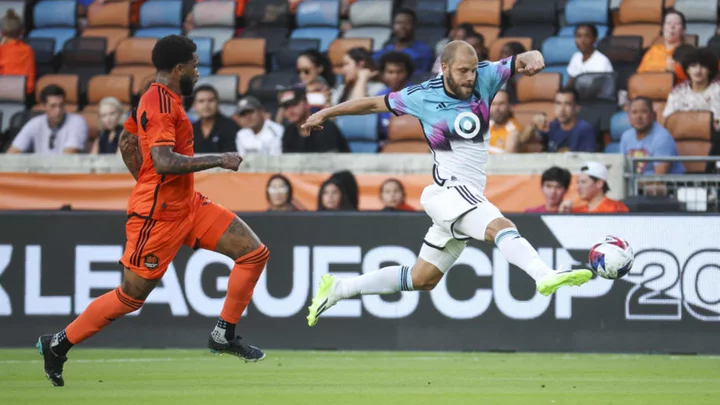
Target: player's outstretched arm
column 360, row 106
column 130, row 152
column 166, row 161
column 529, row 63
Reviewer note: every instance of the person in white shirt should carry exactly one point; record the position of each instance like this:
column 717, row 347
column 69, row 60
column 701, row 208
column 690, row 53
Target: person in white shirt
column 258, row 134
column 587, row 59
column 55, row 132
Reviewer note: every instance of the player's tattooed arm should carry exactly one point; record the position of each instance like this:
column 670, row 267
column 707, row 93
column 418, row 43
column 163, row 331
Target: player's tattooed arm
column 166, row 161
column 130, row 152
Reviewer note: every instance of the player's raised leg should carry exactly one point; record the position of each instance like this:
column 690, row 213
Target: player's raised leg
column 220, row 230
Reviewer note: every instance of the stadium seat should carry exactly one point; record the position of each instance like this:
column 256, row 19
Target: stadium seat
column 318, row 19
column 102, row 86
column 430, row 35
column 159, row 19
column 341, row 46
column 360, row 132
column 55, row 19
column 265, row 87
column 692, row 131
column 655, row 86
column 595, row 86
column 245, row 58
column 275, row 37
column 598, row 112
column 485, row 16
column 267, row 19
column 371, row 19
column 587, row 12
column 44, row 49
column 12, row 98
column 612, row 147
column 69, row 83
column 619, row 123
column 625, row 53
column 534, row 19
column 405, row 135
column 558, row 50
column 701, row 16
column 205, row 55
column 642, row 18
column 216, row 20
column 569, row 31
column 285, row 57
column 430, row 13
column 497, row 45
column 562, row 69
column 133, row 57
column 226, row 86
column 537, row 93
column 17, row 5
column 452, row 6
column 17, row 121
column 110, row 20
column 84, row 57
column 659, row 108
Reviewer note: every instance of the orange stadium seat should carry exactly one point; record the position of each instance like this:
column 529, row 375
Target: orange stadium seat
column 109, row 20
column 133, row 57
column 497, row 45
column 68, row 82
column 537, row 93
column 245, row 58
column 659, row 108
column 484, row 15
column 102, row 86
column 339, row 47
column 642, row 18
column 405, row 135
column 655, row 86
column 692, row 131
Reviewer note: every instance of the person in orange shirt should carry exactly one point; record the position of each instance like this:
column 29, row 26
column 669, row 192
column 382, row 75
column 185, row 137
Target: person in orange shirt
column 165, row 212
column 504, row 128
column 659, row 58
column 592, row 187
column 16, row 57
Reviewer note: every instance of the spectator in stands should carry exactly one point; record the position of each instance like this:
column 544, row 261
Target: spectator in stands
column 463, row 32
column 110, row 116
column 54, row 132
column 659, row 58
column 702, row 91
column 403, row 40
column 477, row 41
column 587, row 59
column 316, row 74
column 296, row 110
column 511, row 49
column 395, row 71
column 334, row 197
column 214, row 132
column 648, row 138
column 554, row 184
column 258, row 134
column 593, row 188
column 16, row 57
column 567, row 132
column 392, row 195
column 681, row 52
column 349, row 185
column 359, row 71
column 505, row 130
column 279, row 194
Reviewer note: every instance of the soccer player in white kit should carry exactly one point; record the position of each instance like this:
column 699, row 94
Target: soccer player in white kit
column 454, row 112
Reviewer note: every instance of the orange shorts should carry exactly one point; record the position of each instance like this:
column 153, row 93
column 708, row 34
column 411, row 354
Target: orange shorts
column 152, row 245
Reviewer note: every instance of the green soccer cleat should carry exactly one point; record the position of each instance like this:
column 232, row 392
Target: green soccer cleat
column 321, row 301
column 550, row 283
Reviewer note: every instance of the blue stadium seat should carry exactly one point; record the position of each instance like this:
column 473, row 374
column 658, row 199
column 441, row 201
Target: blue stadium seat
column 318, row 13
column 452, row 5
column 558, row 50
column 360, row 131
column 205, row 54
column 613, row 147
column 562, row 69
column 157, row 32
column 569, row 31
column 587, row 12
column 619, row 123
column 55, row 19
column 325, row 35
column 161, row 14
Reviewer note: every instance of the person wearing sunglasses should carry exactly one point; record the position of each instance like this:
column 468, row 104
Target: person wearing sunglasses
column 54, row 132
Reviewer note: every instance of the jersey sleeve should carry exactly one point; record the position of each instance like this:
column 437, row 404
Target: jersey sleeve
column 406, row 101
column 131, row 124
column 158, row 122
column 493, row 75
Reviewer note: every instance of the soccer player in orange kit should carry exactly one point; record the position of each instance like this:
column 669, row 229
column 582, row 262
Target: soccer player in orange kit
column 165, row 212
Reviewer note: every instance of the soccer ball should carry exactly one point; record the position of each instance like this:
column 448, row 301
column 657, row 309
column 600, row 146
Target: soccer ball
column 612, row 258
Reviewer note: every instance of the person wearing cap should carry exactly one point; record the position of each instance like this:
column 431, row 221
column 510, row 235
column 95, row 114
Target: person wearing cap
column 593, row 188
column 214, row 132
column 258, row 134
column 296, row 110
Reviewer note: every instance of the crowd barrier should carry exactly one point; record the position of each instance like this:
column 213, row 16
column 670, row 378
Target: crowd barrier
column 53, row 263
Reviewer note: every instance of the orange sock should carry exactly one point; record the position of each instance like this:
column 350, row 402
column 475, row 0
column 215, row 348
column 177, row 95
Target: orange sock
column 103, row 310
column 241, row 284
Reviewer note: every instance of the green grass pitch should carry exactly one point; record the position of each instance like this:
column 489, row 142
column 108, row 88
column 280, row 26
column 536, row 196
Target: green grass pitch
column 195, row 377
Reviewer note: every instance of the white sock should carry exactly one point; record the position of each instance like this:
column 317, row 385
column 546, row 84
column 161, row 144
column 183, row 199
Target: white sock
column 518, row 251
column 383, row 281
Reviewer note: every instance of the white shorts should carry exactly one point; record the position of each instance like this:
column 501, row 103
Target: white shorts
column 459, row 213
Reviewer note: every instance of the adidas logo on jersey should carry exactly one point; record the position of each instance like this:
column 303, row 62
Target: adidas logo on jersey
column 440, row 106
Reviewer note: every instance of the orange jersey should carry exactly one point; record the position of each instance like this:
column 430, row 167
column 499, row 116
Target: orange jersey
column 18, row 58
column 161, row 121
column 606, row 206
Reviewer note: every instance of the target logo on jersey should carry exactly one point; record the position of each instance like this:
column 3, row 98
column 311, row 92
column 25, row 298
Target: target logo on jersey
column 612, row 258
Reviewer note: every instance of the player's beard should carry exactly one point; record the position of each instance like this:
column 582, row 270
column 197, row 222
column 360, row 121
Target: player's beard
column 187, row 85
column 460, row 92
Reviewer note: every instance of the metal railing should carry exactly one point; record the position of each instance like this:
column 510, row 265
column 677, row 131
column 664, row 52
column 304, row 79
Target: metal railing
column 695, row 191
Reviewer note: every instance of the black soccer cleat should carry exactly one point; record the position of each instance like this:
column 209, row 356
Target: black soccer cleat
column 53, row 363
column 237, row 347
